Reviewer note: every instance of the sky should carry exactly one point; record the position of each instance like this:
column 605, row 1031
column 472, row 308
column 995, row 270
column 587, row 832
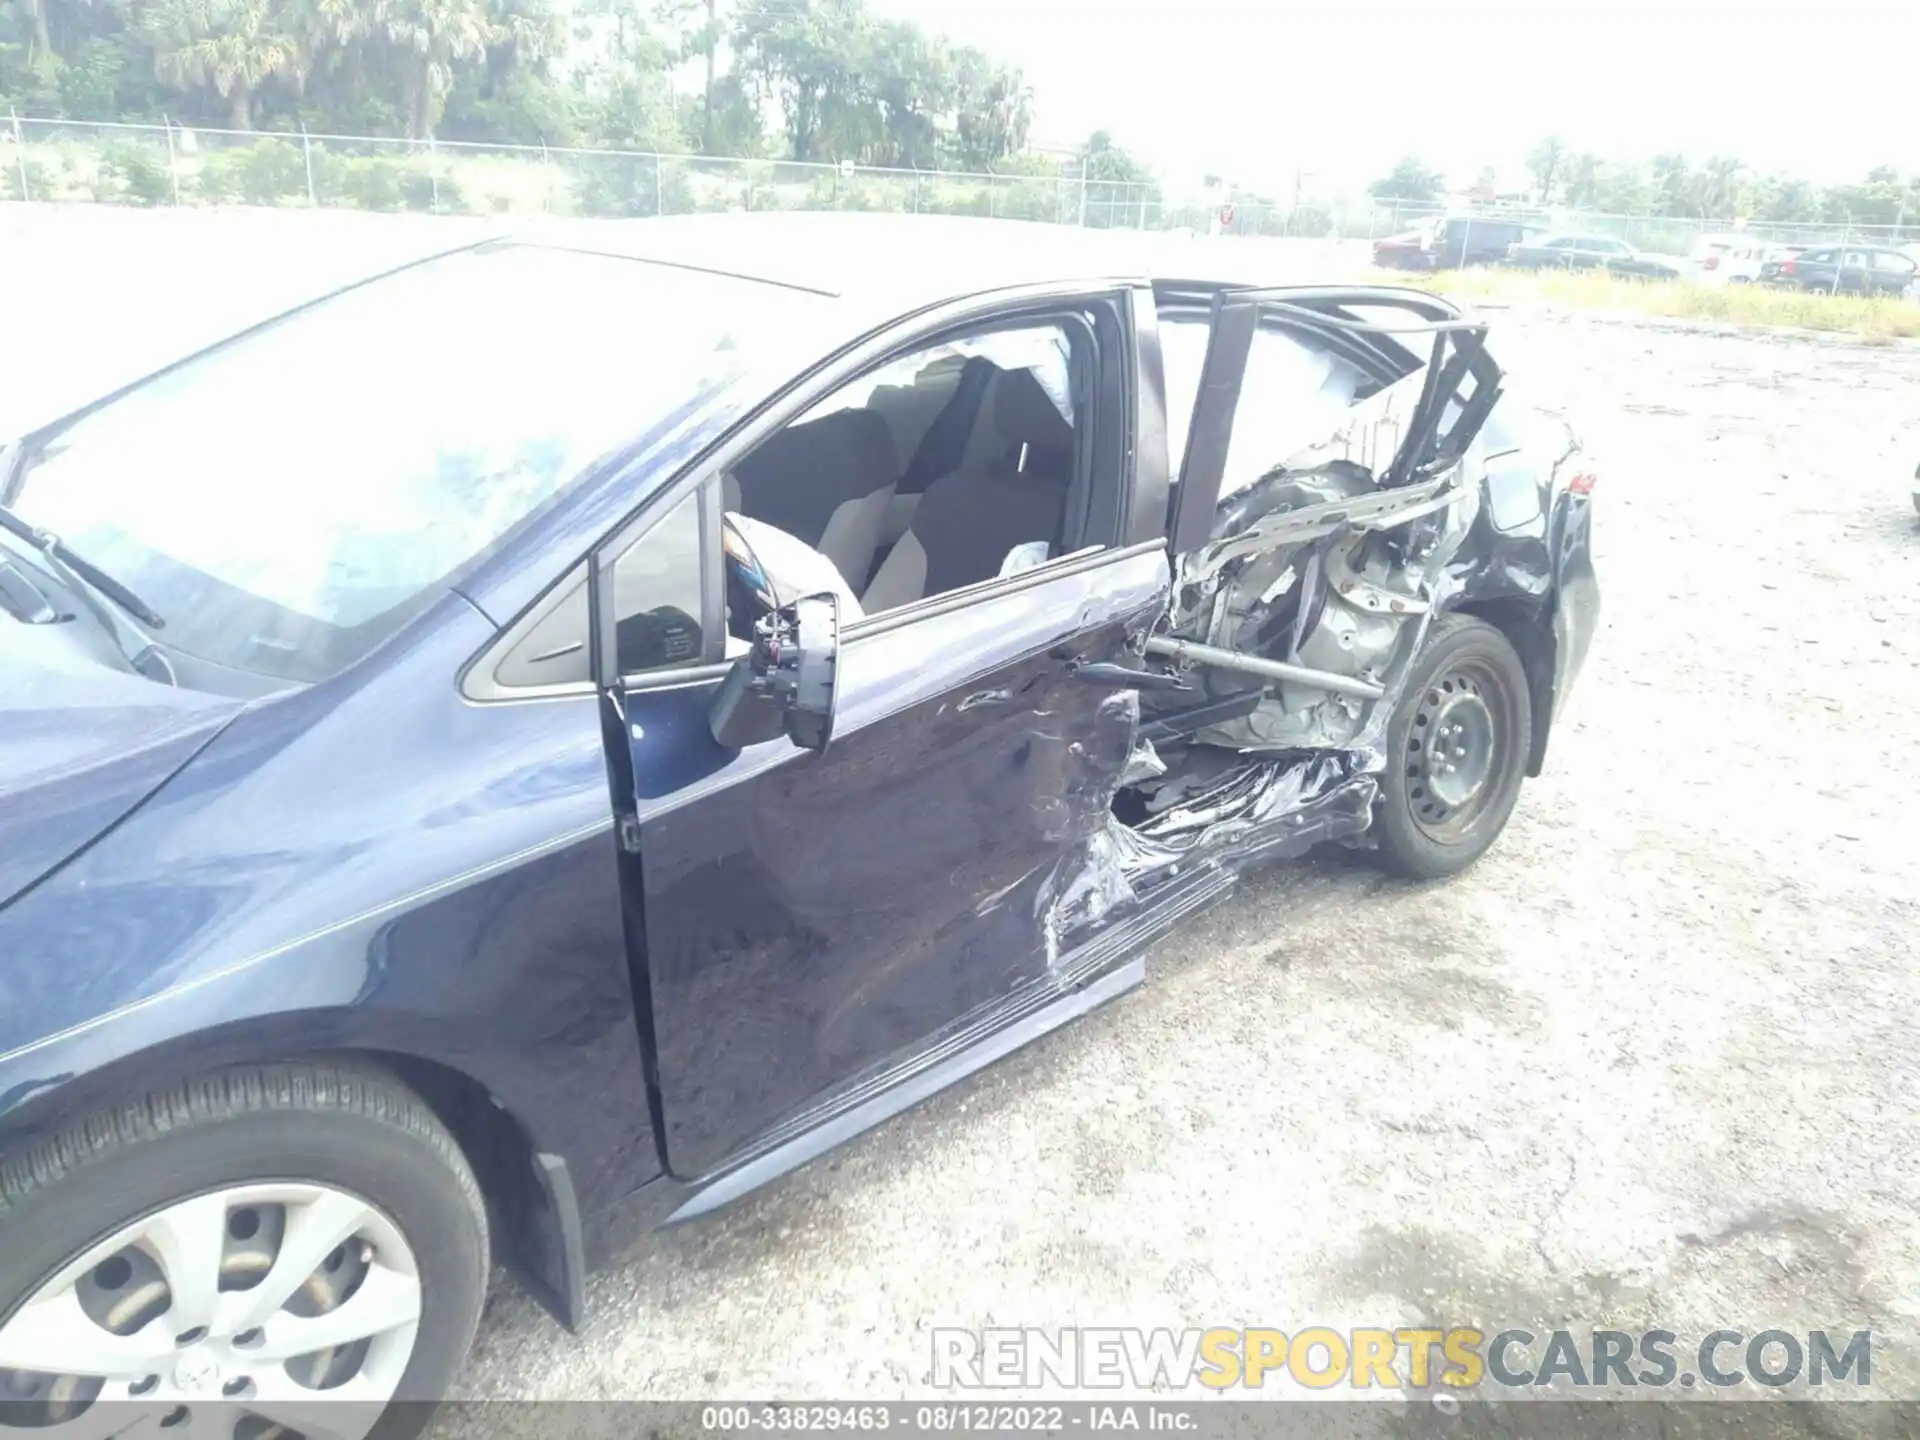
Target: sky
column 1257, row 91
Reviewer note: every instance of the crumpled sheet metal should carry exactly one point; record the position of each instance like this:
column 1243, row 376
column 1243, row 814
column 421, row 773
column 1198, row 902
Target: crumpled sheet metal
column 1087, row 884
column 1086, row 892
column 1285, row 802
column 1268, row 806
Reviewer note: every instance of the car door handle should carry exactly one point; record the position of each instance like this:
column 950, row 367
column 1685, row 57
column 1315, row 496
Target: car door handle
column 1123, row 677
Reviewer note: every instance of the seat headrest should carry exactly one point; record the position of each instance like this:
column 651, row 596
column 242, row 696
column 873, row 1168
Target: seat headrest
column 857, row 442
column 1023, row 412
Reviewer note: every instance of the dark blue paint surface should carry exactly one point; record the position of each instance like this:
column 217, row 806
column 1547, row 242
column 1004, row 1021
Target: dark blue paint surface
column 813, row 916
column 322, row 876
column 81, row 745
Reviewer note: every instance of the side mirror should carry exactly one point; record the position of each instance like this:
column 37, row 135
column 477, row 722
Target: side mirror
column 787, row 683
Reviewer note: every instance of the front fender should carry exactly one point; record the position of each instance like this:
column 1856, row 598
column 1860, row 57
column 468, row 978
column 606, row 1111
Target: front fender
column 369, row 864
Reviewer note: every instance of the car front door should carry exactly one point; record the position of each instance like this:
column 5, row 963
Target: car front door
column 1819, row 270
column 814, row 928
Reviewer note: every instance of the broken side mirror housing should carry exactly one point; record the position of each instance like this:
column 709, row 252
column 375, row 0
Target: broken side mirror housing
column 787, row 683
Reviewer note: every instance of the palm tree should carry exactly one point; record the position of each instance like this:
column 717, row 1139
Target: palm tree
column 42, row 37
column 430, row 37
column 234, row 46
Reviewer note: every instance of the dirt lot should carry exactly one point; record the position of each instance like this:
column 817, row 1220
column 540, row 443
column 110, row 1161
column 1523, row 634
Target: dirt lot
column 1652, row 1063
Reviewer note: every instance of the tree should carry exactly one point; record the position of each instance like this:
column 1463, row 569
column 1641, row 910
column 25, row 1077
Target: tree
column 993, row 108
column 1673, row 184
column 234, row 46
column 1581, row 187
column 428, row 39
column 626, row 99
column 1410, row 179
column 42, row 34
column 909, row 76
column 1718, row 188
column 808, row 61
column 1120, row 188
column 511, row 93
column 1623, row 190
column 1545, row 162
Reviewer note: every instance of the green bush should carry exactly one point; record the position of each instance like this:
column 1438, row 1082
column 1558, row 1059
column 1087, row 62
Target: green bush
column 832, row 192
column 980, row 200
column 365, row 182
column 1034, row 201
column 214, row 181
column 70, row 171
column 612, row 186
column 41, row 182
column 267, row 172
column 420, row 191
column 135, row 172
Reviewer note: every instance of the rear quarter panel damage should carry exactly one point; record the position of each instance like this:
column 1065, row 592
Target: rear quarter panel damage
column 1316, row 565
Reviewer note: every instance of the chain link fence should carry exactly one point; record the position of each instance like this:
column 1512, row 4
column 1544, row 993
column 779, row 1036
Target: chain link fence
column 156, row 165
column 169, row 165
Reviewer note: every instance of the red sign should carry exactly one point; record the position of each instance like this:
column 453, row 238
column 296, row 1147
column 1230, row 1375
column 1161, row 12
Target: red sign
column 1226, row 215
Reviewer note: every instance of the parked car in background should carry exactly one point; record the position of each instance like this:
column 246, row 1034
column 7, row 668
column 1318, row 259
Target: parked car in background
column 1730, row 259
column 1405, row 251
column 575, row 793
column 1450, row 243
column 1592, row 252
column 1844, row 269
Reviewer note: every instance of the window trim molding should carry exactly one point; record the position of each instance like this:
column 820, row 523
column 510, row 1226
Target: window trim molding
column 478, row 682
column 479, row 679
column 1090, row 557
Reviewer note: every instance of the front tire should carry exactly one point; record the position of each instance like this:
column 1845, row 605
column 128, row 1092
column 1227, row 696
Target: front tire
column 1457, row 750
column 300, row 1244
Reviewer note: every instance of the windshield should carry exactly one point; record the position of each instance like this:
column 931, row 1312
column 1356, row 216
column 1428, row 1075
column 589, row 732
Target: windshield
column 290, row 500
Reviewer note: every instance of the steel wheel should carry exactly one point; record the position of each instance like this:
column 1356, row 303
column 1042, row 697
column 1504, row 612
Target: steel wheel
column 248, row 1313
column 1455, row 747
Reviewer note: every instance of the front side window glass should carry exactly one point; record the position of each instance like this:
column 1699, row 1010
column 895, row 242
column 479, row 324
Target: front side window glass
column 660, row 619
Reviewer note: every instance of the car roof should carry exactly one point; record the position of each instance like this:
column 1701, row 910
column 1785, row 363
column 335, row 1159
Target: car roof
column 907, row 259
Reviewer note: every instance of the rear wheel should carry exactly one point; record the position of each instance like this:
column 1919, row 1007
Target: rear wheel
column 1457, row 752
column 288, row 1246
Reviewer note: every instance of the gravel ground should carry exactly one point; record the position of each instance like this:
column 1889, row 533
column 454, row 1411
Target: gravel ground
column 1649, row 1064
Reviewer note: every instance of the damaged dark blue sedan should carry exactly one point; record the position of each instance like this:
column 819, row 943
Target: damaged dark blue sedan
column 532, row 746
